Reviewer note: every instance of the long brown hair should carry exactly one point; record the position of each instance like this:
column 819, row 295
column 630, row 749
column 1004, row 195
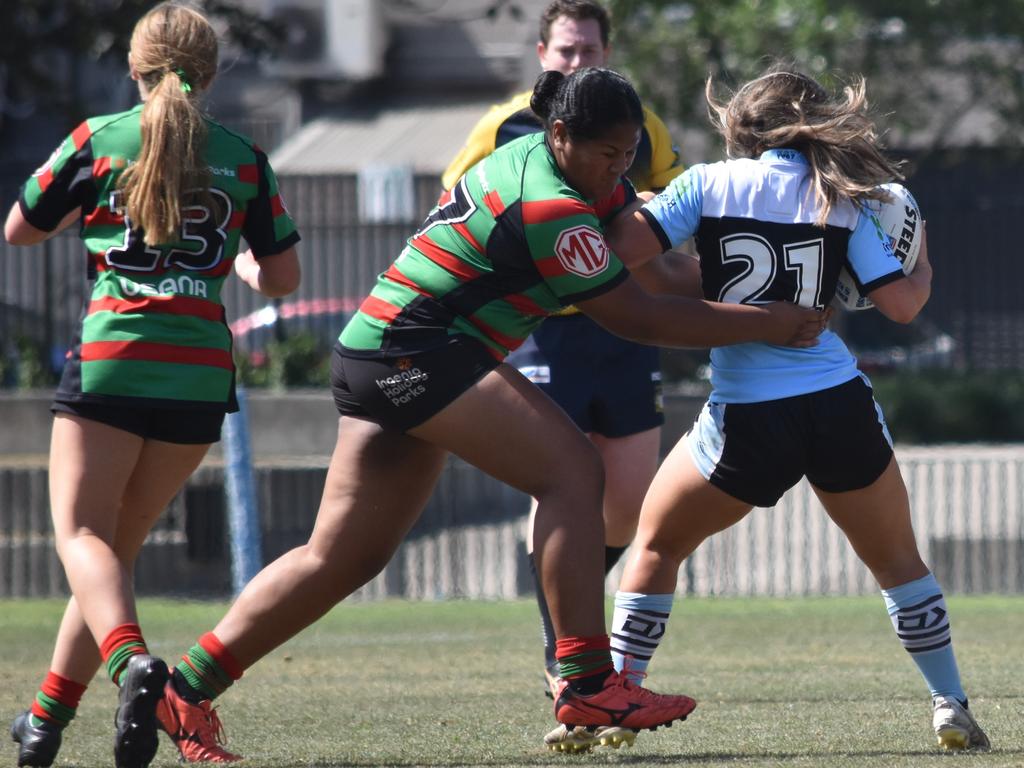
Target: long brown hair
column 784, row 108
column 174, row 52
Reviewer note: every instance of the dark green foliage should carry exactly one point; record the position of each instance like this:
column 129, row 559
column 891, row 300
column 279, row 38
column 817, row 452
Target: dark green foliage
column 41, row 32
column 24, row 366
column 947, row 406
column 933, row 65
column 301, row 360
column 252, row 370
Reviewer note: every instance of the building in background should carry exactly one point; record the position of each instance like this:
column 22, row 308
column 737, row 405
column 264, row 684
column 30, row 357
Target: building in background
column 365, row 106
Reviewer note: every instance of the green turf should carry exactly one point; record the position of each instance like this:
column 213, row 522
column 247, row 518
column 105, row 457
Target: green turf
column 819, row 682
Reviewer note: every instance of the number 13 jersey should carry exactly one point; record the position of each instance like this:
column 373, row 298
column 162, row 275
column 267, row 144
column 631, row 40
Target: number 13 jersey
column 153, row 329
column 753, row 224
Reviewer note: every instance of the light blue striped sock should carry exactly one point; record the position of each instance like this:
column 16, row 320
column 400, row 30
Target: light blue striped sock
column 638, row 625
column 921, row 620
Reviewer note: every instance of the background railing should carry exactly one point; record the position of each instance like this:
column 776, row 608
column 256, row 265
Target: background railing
column 469, row 542
column 975, row 314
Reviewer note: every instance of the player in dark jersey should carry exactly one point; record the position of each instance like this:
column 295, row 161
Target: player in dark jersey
column 778, row 221
column 609, row 386
column 162, row 196
column 418, row 373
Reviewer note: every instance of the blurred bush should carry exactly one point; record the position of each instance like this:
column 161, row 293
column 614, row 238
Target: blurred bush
column 24, row 364
column 943, row 406
column 299, row 360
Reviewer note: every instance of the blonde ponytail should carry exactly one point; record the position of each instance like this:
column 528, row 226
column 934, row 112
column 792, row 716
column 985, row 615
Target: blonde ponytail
column 174, row 52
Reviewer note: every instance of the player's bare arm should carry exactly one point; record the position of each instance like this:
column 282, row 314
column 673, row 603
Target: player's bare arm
column 902, row 300
column 274, row 276
column 665, row 320
column 18, row 231
column 631, row 238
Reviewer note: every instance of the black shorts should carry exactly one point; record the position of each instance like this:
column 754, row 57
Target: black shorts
column 605, row 383
column 755, row 452
column 402, row 392
column 171, row 425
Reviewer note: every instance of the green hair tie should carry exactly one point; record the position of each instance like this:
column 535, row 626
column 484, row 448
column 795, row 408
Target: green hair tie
column 186, row 86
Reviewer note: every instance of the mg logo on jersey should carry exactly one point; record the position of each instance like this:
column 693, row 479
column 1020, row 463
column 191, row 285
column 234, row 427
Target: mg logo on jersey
column 582, row 250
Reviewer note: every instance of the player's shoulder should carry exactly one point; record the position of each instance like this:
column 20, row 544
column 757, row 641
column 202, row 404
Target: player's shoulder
column 549, row 201
column 652, row 122
column 735, row 170
column 229, row 139
column 741, row 177
column 109, row 123
column 541, row 178
column 500, row 113
column 515, row 103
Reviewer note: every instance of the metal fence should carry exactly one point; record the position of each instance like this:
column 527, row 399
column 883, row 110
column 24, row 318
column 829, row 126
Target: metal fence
column 968, row 512
column 42, row 287
column 971, row 211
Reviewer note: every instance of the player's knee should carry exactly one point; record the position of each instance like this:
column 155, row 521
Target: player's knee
column 896, row 567
column 659, row 552
column 576, row 477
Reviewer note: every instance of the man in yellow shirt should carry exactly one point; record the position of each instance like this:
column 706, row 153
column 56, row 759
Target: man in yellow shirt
column 573, row 34
column 609, row 386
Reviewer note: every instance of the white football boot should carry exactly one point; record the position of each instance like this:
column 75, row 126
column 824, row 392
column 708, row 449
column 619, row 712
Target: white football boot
column 566, row 738
column 955, row 728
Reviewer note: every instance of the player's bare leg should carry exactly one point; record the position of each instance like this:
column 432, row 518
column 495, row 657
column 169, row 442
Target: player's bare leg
column 377, row 484
column 680, row 511
column 630, row 463
column 877, row 522
column 348, row 546
column 378, row 481
column 107, row 487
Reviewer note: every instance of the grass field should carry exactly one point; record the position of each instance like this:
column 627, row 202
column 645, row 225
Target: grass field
column 817, row 682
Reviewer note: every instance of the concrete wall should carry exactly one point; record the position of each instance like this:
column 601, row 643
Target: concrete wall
column 967, row 506
column 293, row 424
column 468, row 542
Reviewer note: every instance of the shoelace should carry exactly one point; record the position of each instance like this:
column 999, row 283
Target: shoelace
column 210, row 726
column 628, row 673
column 638, row 690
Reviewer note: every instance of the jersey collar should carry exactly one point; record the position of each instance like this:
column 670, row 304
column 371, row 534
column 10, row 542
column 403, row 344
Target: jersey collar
column 783, row 154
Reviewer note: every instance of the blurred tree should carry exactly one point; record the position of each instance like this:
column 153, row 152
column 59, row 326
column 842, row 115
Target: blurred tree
column 42, row 33
column 932, row 64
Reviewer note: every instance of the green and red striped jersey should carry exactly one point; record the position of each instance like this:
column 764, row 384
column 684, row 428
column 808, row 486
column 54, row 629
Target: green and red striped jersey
column 153, row 327
column 509, row 245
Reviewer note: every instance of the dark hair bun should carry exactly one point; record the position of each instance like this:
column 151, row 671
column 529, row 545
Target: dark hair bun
column 544, row 92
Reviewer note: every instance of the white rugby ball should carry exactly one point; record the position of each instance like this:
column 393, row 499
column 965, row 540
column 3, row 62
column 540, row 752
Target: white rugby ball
column 901, row 221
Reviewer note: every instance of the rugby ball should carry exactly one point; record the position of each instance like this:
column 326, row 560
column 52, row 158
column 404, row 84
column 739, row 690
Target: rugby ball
column 900, row 219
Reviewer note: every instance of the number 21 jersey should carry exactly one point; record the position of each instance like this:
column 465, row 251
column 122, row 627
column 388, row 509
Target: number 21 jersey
column 753, row 221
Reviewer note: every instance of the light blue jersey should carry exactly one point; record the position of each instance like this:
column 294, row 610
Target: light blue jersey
column 753, row 223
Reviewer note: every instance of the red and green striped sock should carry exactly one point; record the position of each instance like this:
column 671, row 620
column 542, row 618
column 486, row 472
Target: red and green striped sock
column 57, row 700
column 209, row 667
column 120, row 645
column 584, row 662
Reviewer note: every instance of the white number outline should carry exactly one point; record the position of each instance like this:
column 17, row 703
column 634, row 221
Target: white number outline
column 808, row 260
column 460, row 196
column 755, row 252
column 761, row 267
column 191, row 226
